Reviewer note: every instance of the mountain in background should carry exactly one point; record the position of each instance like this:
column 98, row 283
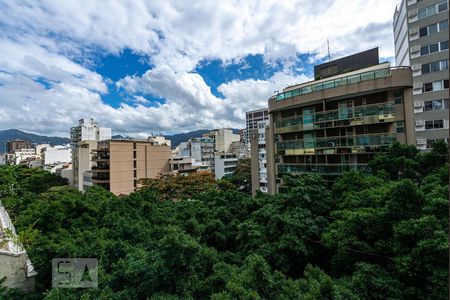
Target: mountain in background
column 176, row 139
column 13, row 134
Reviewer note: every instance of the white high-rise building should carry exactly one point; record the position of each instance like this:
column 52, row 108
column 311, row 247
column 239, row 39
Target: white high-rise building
column 252, row 119
column 88, row 130
column 421, row 42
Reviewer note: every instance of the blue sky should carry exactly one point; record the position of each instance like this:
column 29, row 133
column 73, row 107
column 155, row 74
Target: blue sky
column 140, row 67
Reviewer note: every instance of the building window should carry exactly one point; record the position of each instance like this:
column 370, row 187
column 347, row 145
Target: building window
column 433, row 48
column 434, row 124
column 345, row 110
column 432, row 10
column 400, row 126
column 308, row 115
column 433, row 28
column 398, row 98
column 435, row 86
column 436, row 105
column 435, row 66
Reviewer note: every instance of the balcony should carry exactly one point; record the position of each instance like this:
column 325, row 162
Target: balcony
column 100, row 158
column 358, row 115
column 341, row 81
column 327, row 169
column 329, row 145
column 100, row 180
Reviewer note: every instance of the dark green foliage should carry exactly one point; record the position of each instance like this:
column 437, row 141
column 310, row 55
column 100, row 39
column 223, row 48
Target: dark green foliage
column 379, row 236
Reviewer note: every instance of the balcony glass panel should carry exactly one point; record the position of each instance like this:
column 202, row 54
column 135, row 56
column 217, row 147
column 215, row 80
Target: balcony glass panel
column 345, row 112
column 338, row 141
column 336, row 83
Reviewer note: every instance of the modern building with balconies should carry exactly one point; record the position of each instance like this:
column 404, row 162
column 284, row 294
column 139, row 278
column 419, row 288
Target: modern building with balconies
column 355, row 108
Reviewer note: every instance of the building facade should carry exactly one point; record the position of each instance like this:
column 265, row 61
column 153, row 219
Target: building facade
column 259, row 157
column 337, row 123
column 251, row 121
column 88, row 130
column 13, row 145
column 56, row 154
column 83, row 140
column 222, row 138
column 202, row 150
column 82, row 164
column 224, row 164
column 119, row 164
column 421, row 41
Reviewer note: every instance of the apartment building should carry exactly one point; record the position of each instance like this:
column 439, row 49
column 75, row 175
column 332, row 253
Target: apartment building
column 186, row 165
column 13, row 145
column 119, row 164
column 82, row 164
column 259, row 157
column 83, row 140
column 202, row 149
column 421, row 41
column 251, row 121
column 222, row 138
column 336, row 123
column 88, row 130
column 57, row 154
column 224, row 164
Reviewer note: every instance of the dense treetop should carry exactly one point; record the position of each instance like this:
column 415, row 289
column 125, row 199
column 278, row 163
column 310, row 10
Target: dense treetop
column 369, row 236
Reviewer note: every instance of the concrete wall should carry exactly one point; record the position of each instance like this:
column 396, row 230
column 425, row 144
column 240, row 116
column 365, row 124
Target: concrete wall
column 14, row 268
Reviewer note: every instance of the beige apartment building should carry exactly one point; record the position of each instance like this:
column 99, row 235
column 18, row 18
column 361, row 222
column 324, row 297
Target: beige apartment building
column 119, row 164
column 355, row 108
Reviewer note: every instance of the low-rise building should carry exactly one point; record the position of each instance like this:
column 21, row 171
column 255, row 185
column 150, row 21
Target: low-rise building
column 56, row 154
column 185, row 165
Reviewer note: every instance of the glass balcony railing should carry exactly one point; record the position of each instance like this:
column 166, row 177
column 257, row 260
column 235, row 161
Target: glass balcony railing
column 319, row 168
column 382, row 73
column 380, row 109
column 290, row 147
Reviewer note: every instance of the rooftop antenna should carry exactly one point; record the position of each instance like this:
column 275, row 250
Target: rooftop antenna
column 328, row 45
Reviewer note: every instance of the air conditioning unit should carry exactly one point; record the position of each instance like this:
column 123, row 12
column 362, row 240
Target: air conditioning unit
column 418, row 85
column 416, row 67
column 421, row 141
column 415, row 49
column 414, row 31
column 420, row 123
column 418, row 103
column 413, row 12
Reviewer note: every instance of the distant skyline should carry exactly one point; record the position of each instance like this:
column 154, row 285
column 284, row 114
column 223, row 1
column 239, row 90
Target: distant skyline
column 169, row 66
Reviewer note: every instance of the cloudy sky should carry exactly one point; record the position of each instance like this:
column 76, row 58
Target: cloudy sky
column 144, row 66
